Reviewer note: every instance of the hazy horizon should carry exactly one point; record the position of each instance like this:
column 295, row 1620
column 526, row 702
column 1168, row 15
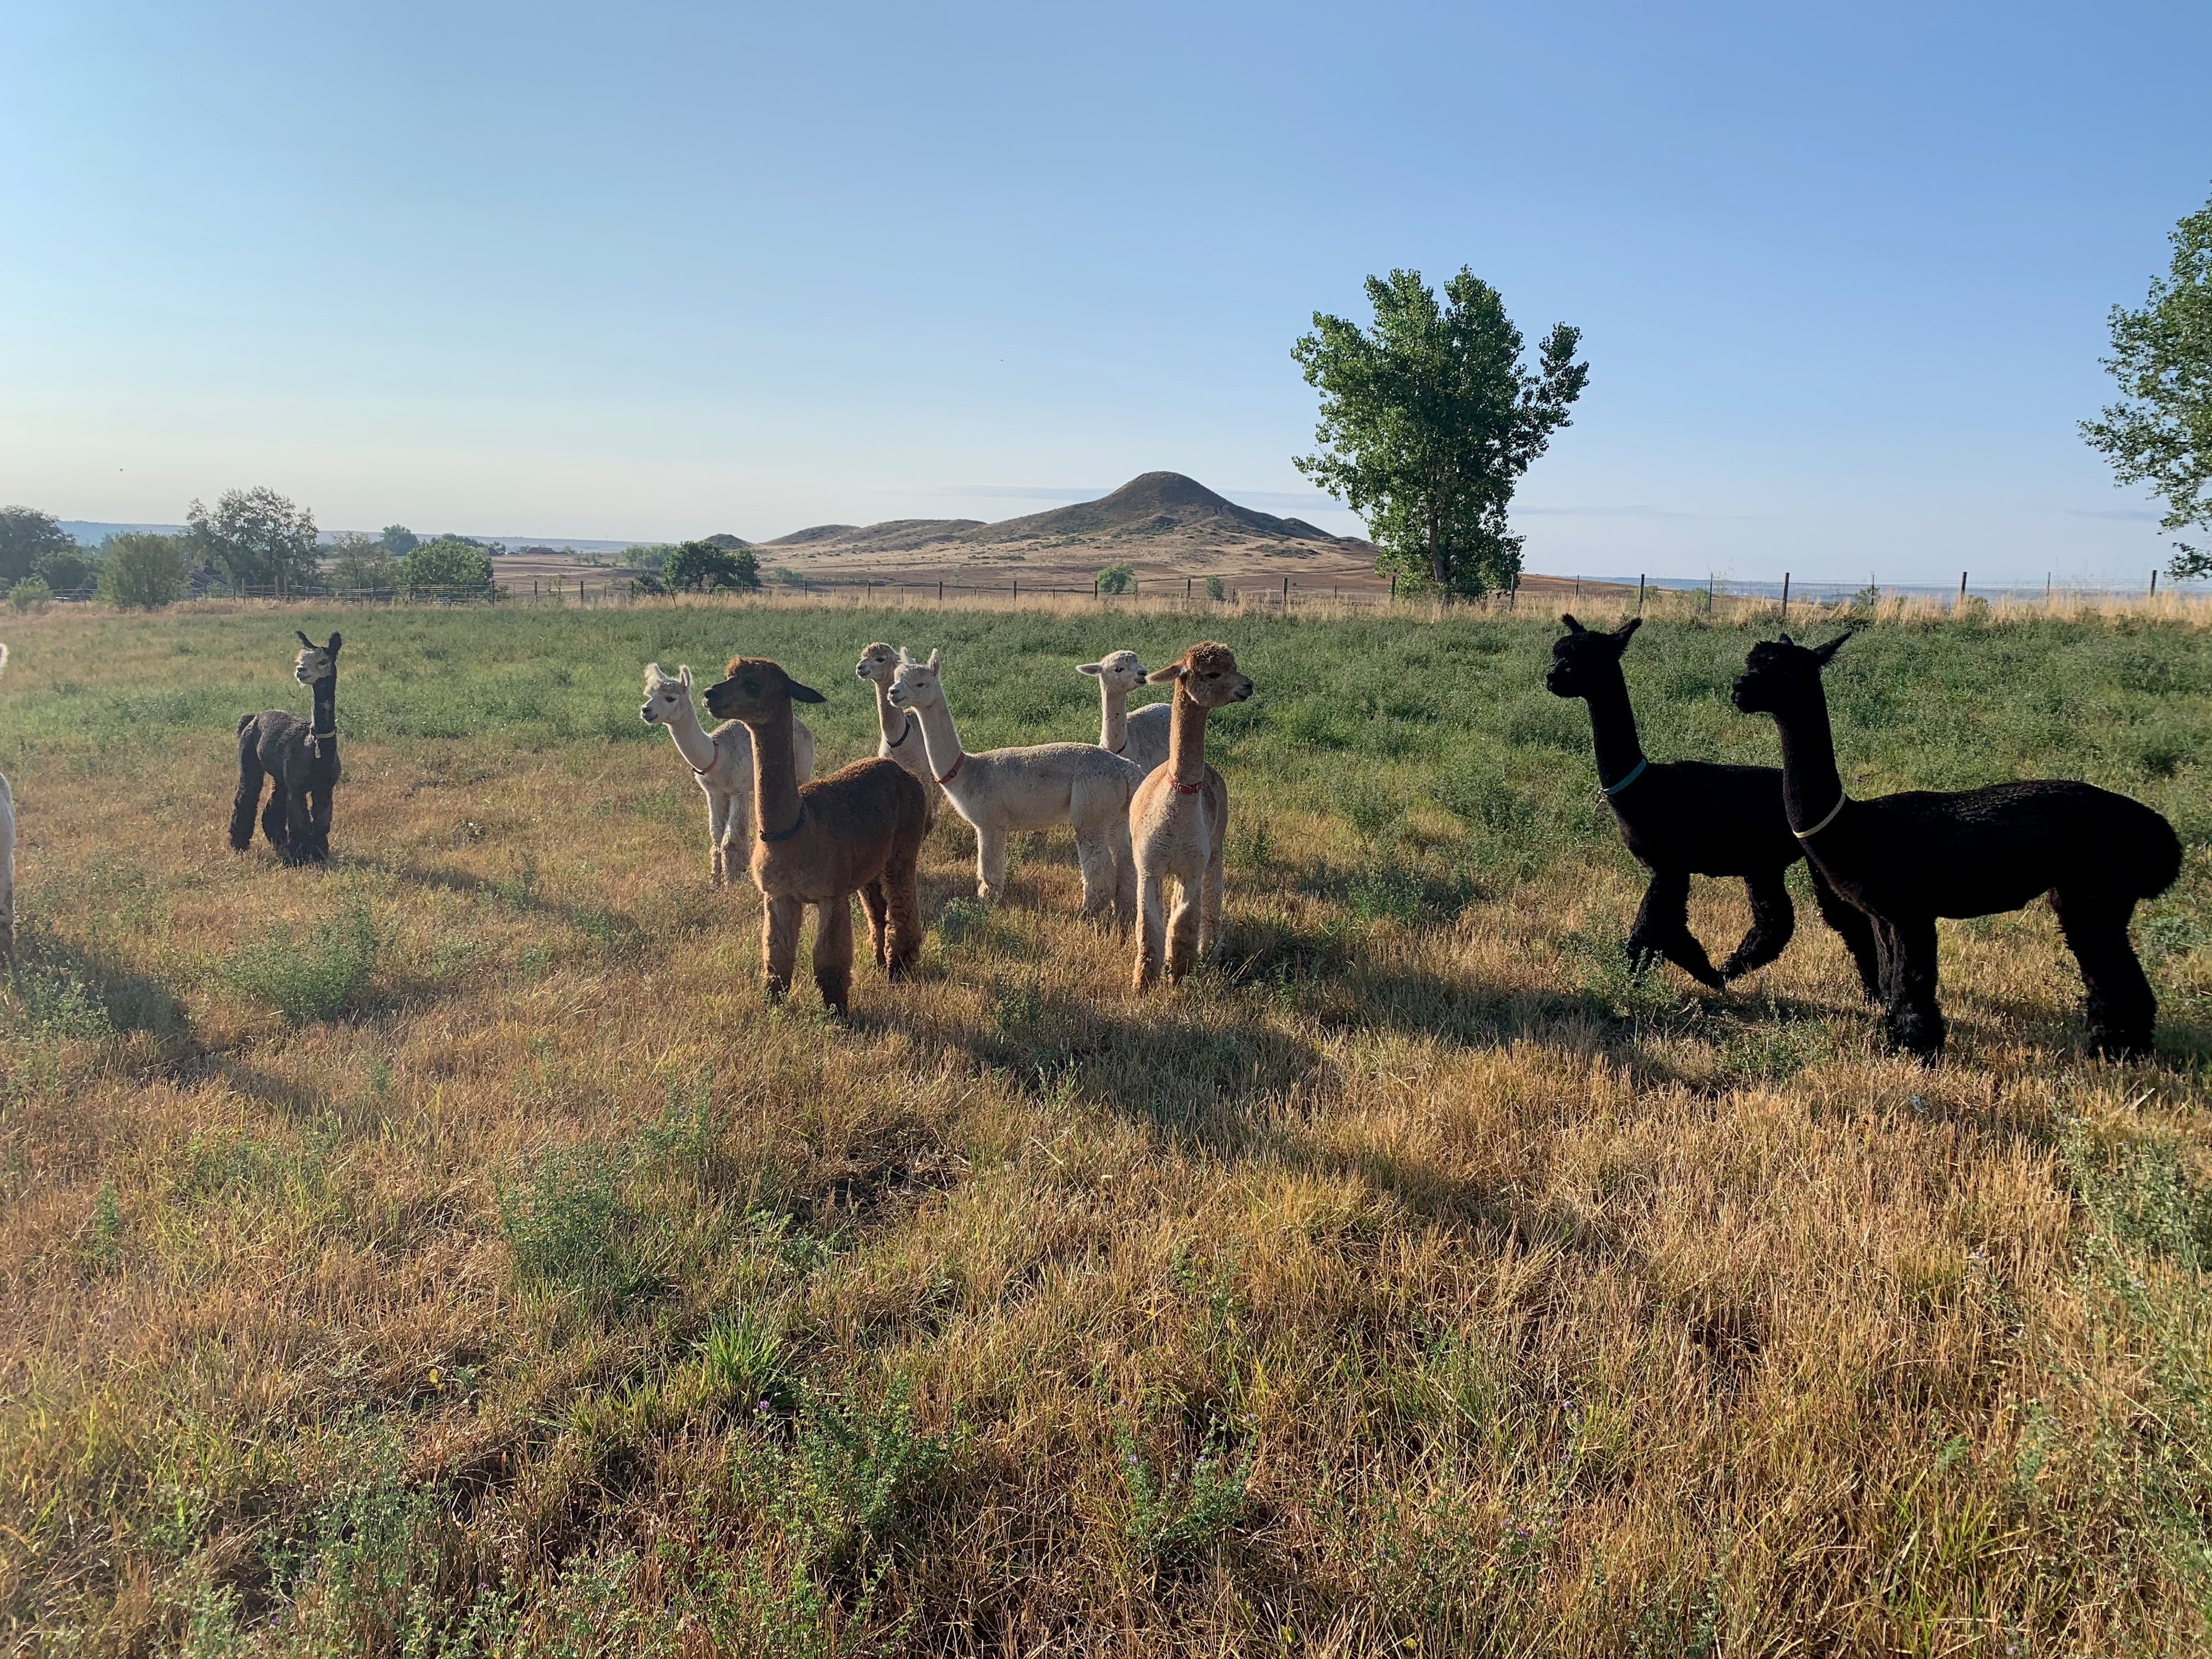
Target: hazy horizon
column 1842, row 279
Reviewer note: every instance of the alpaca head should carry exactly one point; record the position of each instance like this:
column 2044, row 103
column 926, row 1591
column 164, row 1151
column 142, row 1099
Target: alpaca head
column 316, row 662
column 756, row 692
column 1207, row 675
column 1782, row 674
column 878, row 664
column 916, row 684
column 1117, row 670
column 667, row 696
column 1587, row 659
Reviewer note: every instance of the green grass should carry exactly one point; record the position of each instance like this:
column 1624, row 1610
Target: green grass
column 448, row 1253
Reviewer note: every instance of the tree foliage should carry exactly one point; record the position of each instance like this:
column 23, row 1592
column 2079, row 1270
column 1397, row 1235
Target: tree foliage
column 451, row 563
column 1428, row 421
column 68, row 571
column 256, row 538
column 26, row 536
column 702, row 567
column 398, row 540
column 356, row 563
column 142, row 571
column 1117, row 578
column 2160, row 433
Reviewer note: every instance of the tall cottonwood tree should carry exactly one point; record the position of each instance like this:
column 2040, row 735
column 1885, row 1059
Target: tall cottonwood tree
column 2160, row 431
column 257, row 537
column 1429, row 420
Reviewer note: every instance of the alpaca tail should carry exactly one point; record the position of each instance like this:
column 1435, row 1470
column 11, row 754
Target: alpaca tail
column 244, row 721
column 2159, row 860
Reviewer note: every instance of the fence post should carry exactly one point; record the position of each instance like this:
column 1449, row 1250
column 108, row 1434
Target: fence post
column 1286, row 595
column 1962, row 587
column 1186, row 590
column 1094, row 587
column 1639, row 595
column 1785, row 596
column 940, row 592
column 1018, row 587
column 1393, row 587
column 2154, row 581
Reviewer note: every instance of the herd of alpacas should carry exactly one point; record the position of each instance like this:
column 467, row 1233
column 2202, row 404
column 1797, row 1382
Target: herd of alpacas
column 1148, row 813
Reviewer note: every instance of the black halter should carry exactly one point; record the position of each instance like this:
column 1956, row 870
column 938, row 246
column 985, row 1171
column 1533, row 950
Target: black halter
column 786, row 835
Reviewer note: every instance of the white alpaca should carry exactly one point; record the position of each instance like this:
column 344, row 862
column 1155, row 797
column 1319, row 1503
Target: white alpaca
column 7, row 859
column 898, row 733
column 1004, row 790
column 722, row 760
column 1141, row 737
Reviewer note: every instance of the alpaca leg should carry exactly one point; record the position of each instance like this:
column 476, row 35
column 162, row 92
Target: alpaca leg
column 1125, row 872
column 2122, row 1008
column 1662, row 929
column 990, row 864
column 833, row 952
column 780, row 919
column 272, row 814
column 873, row 901
column 299, row 827
column 1209, row 899
column 248, row 799
column 1152, row 929
column 1855, row 928
column 903, row 897
column 1094, row 857
column 718, row 839
column 1182, row 930
column 319, row 823
column 1773, row 919
column 1914, row 1020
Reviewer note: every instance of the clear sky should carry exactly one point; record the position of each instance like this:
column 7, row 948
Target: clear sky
column 659, row 269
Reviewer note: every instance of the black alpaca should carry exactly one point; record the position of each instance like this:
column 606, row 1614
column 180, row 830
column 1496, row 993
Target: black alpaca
column 1693, row 818
column 300, row 760
column 1907, row 859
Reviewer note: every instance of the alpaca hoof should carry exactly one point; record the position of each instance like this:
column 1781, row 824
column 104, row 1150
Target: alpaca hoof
column 778, row 989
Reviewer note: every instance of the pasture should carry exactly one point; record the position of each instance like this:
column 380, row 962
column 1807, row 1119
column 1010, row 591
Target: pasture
column 448, row 1253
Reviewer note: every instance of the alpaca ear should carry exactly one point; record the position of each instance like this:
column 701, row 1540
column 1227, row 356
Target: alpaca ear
column 1622, row 634
column 905, row 657
column 1174, row 671
column 683, row 675
column 305, row 641
column 1573, row 627
column 932, row 656
column 1786, row 640
column 1090, row 668
column 336, row 640
column 1822, row 653
column 802, row 693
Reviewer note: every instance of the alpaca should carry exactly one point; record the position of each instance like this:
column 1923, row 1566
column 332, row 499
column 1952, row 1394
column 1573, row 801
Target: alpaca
column 300, row 760
column 1909, row 858
column 1179, row 819
column 7, row 860
column 858, row 828
column 1004, row 790
column 1682, row 818
column 722, row 761
column 1141, row 737
column 898, row 734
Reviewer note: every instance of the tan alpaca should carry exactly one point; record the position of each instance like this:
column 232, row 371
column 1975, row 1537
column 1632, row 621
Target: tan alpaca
column 1179, row 819
column 898, row 733
column 722, row 761
column 858, row 829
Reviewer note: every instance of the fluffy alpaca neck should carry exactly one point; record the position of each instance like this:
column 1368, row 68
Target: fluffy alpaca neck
column 325, row 723
column 940, row 738
column 1810, row 785
column 775, row 775
column 1613, row 733
column 1113, row 718
column 1187, row 739
column 691, row 740
column 895, row 723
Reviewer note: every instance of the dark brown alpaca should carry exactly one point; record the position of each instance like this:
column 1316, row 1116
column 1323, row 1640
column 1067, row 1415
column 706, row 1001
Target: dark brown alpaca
column 858, row 829
column 299, row 758
column 1909, row 858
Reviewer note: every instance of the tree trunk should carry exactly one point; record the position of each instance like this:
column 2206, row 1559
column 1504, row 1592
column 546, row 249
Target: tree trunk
column 1436, row 570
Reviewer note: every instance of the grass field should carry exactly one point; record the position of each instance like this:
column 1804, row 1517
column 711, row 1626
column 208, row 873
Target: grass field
column 447, row 1253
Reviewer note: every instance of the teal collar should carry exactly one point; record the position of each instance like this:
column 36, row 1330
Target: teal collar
column 1615, row 789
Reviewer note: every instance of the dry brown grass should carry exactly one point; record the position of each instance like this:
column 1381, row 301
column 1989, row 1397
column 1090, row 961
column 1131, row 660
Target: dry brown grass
column 1543, row 1310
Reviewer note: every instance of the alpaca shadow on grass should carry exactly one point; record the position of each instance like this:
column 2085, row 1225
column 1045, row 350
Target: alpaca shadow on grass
column 67, row 989
column 520, row 891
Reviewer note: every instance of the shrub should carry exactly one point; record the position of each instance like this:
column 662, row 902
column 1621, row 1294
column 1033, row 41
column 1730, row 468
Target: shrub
column 450, row 564
column 67, row 573
column 142, row 571
column 359, row 564
column 1117, row 578
column 311, row 975
column 1214, row 589
column 29, row 592
column 570, row 1233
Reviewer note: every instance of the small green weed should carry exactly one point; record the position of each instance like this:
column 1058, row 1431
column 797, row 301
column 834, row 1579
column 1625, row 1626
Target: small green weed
column 311, row 973
column 1178, row 1519
column 570, row 1233
column 746, row 1360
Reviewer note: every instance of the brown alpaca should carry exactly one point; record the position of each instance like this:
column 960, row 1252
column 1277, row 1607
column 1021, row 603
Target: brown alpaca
column 858, row 829
column 1179, row 818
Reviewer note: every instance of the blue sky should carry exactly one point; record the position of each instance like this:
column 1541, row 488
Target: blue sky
column 662, row 270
